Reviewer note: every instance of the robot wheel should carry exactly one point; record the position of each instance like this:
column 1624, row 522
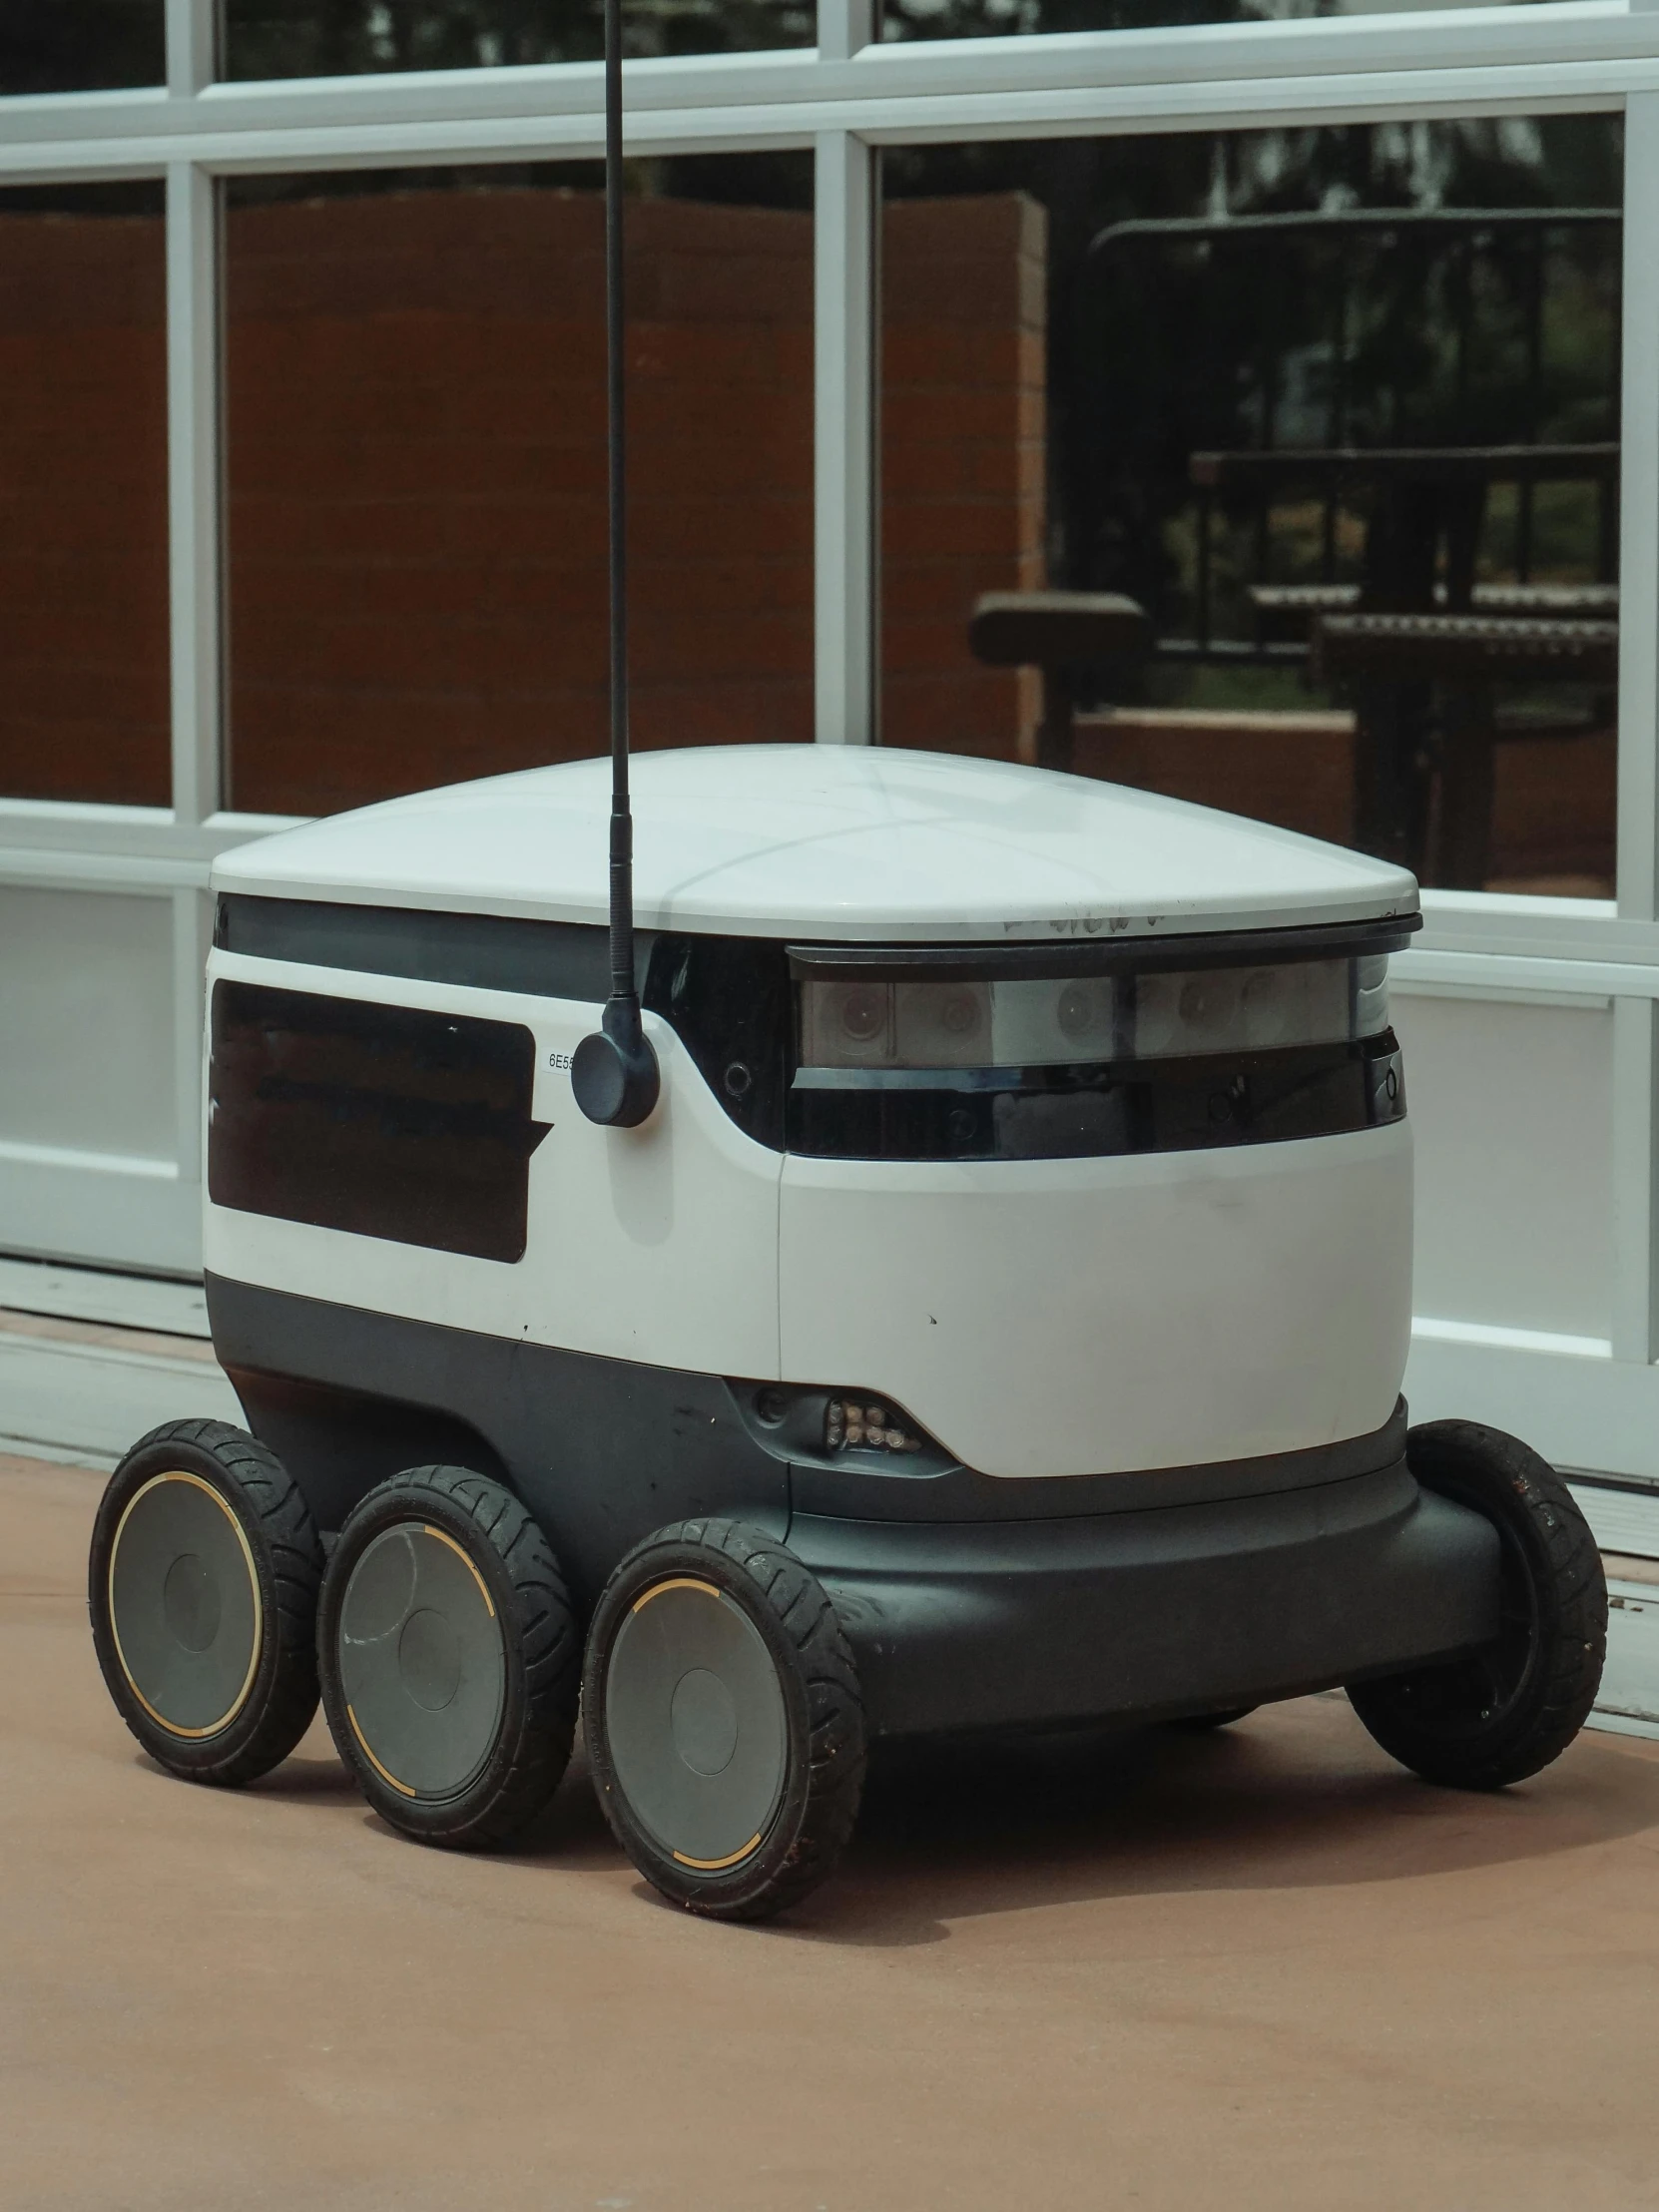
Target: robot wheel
column 1516, row 1703
column 202, row 1591
column 449, row 1655
column 722, row 1720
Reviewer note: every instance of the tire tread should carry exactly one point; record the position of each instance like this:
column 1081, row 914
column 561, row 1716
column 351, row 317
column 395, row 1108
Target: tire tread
column 1502, row 1476
column 284, row 1522
column 801, row 1607
column 550, row 1651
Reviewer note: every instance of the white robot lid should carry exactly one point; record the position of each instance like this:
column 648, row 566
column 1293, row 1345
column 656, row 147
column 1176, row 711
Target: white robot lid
column 840, row 843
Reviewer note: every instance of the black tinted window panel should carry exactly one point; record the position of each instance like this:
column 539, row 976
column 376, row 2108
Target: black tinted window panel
column 1337, row 408
column 81, row 45
column 1048, row 1113
column 728, row 999
column 349, row 38
column 487, row 952
column 388, row 1120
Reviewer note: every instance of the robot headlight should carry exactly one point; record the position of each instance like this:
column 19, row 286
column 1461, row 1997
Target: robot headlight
column 808, row 1423
column 867, row 1423
column 1052, row 1021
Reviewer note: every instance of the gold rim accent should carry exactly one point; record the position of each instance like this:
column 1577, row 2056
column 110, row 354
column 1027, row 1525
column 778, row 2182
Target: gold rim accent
column 403, row 1787
column 679, row 1583
column 193, row 1735
column 715, row 1865
column 461, row 1553
column 731, row 1859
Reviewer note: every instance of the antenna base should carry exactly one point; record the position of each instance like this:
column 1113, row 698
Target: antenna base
column 613, row 1073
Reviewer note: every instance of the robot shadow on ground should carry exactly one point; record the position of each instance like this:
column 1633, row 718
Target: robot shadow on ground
column 570, row 1834
column 1294, row 1797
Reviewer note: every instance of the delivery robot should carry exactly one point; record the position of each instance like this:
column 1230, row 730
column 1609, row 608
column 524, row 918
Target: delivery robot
column 963, row 1282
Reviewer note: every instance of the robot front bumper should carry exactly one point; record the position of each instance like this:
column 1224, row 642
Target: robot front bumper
column 972, row 1600
column 1269, row 1579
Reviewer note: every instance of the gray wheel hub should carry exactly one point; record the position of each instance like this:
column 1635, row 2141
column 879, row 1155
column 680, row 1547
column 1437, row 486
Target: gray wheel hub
column 696, row 1723
column 422, row 1661
column 185, row 1604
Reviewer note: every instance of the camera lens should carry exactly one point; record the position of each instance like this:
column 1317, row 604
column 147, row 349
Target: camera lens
column 863, row 1014
column 1077, row 1011
column 1207, row 1003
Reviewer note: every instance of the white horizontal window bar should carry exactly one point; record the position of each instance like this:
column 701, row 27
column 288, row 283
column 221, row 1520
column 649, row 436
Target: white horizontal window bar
column 88, row 816
column 1560, row 32
column 143, row 872
column 1512, row 995
column 1069, row 111
column 50, row 837
column 1242, row 104
column 1510, row 1340
column 973, row 88
column 138, row 1164
column 1582, row 929
column 1484, row 974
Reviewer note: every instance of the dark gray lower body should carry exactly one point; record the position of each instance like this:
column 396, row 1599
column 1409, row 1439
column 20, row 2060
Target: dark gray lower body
column 1114, row 1597
column 1176, row 1609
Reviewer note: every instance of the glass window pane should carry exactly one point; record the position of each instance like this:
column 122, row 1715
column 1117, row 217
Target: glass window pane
column 81, row 45
column 351, row 38
column 83, row 494
column 1336, row 410
column 908, row 19
column 415, row 442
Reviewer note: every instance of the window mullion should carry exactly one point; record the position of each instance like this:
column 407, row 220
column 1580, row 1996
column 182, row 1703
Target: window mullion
column 844, row 26
column 193, row 487
column 189, row 46
column 845, row 339
column 1638, row 860
column 1635, row 1189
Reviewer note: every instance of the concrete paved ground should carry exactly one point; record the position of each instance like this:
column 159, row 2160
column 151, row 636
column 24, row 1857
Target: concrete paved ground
column 1265, row 1970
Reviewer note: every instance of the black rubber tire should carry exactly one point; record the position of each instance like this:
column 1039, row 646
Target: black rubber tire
column 1199, row 1722
column 824, row 1751
column 1510, row 1708
column 541, row 1650
column 283, row 1545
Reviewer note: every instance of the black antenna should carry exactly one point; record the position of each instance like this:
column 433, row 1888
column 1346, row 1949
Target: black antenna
column 614, row 1072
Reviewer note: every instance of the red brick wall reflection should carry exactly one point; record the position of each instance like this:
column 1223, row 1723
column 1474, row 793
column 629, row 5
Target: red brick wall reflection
column 83, row 509
column 417, row 485
column 416, row 475
column 964, row 316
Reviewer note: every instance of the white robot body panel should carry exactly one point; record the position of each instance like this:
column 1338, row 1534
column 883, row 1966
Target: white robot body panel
column 1020, row 1310
column 658, row 1246
column 847, row 844
column 1083, row 1317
